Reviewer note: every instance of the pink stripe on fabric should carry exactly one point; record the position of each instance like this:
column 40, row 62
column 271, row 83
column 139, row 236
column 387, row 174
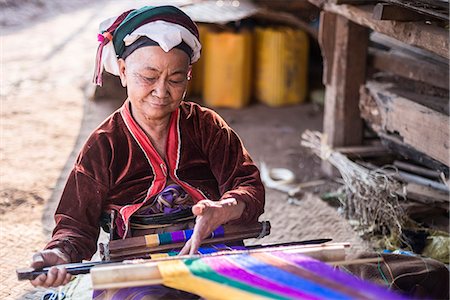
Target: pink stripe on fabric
column 227, row 268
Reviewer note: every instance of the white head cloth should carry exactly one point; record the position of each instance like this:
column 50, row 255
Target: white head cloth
column 167, row 35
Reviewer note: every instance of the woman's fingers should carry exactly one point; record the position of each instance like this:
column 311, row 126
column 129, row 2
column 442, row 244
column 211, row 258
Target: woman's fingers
column 186, row 248
column 209, row 215
column 51, row 277
column 198, row 209
column 67, row 279
column 38, row 261
column 195, row 240
column 61, row 276
column 39, row 281
column 55, row 276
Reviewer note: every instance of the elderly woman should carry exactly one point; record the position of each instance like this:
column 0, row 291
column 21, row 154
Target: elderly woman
column 153, row 142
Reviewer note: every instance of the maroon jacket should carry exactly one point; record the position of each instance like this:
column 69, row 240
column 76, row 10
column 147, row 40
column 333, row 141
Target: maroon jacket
column 118, row 168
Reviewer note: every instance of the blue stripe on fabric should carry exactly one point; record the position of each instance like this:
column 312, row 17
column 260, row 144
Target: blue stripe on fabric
column 272, row 273
column 188, row 233
column 206, row 250
column 219, row 232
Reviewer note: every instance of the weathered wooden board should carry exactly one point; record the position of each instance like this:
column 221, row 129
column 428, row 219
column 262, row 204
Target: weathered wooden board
column 419, row 126
column 429, row 37
column 433, row 73
column 435, row 9
column 385, row 11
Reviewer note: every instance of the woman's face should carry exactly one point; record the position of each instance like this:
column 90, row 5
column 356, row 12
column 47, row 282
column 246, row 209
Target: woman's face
column 156, row 81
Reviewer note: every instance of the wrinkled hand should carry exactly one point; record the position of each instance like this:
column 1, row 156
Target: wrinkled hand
column 210, row 215
column 55, row 276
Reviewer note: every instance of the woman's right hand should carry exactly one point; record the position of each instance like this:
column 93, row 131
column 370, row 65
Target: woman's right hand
column 56, row 276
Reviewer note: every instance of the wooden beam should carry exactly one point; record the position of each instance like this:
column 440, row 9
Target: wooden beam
column 385, row 11
column 428, row 37
column 419, row 126
column 410, row 67
column 327, row 34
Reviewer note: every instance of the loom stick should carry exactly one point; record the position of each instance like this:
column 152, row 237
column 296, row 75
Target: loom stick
column 140, row 274
column 85, row 268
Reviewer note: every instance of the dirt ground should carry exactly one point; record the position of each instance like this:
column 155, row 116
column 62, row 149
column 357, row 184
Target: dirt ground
column 46, row 115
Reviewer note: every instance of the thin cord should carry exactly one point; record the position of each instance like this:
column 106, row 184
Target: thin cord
column 381, row 271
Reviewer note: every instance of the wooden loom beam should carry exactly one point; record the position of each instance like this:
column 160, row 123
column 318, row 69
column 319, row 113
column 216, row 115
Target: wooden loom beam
column 252, row 230
column 138, row 247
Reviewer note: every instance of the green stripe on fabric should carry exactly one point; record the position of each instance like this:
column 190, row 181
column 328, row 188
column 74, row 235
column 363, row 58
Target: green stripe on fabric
column 199, row 268
column 165, row 238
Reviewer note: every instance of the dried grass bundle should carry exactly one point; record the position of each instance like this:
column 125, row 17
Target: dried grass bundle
column 371, row 197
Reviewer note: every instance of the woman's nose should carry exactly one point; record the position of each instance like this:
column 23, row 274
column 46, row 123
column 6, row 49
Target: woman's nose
column 160, row 89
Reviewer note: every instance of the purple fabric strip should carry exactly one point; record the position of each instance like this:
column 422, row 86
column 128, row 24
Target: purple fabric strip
column 368, row 289
column 178, row 237
column 225, row 267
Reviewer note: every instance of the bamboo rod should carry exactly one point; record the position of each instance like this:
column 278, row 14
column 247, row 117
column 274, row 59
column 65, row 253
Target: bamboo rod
column 357, row 261
column 138, row 273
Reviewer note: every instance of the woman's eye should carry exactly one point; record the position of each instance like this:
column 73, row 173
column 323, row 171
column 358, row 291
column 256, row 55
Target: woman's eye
column 176, row 81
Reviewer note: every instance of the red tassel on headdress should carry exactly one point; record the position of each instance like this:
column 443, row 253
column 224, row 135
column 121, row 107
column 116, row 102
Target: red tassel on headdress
column 104, row 39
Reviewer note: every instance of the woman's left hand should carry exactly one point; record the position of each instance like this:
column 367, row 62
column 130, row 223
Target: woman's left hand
column 210, row 215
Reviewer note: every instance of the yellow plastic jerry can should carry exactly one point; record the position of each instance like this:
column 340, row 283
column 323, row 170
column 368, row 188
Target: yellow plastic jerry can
column 281, row 65
column 227, row 68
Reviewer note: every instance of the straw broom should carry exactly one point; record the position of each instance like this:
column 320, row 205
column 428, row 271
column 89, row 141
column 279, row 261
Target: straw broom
column 371, row 196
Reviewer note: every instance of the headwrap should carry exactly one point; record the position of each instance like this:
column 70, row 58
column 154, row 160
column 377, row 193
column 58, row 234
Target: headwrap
column 165, row 26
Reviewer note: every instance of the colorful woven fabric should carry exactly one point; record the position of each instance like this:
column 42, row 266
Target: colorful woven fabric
column 153, row 240
column 278, row 275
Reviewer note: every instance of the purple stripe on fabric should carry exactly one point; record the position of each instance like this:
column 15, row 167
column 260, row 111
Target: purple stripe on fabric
column 98, row 294
column 238, row 248
column 178, row 237
column 368, row 289
column 226, row 268
column 125, row 293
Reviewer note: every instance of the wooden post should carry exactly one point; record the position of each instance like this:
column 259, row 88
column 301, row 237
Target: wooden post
column 342, row 122
column 327, row 34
